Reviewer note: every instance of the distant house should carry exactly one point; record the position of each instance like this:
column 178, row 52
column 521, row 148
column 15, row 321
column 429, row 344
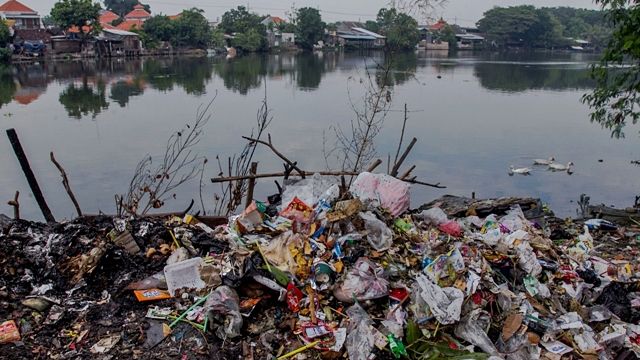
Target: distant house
column 275, row 37
column 19, row 15
column 107, row 17
column 353, row 34
column 116, row 42
column 467, row 41
column 135, row 19
column 138, row 13
column 273, row 21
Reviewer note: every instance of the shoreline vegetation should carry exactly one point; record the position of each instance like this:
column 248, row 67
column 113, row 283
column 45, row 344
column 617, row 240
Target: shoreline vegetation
column 128, row 29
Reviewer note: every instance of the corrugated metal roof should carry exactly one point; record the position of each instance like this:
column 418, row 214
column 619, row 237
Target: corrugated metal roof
column 370, row 33
column 356, row 37
column 119, row 32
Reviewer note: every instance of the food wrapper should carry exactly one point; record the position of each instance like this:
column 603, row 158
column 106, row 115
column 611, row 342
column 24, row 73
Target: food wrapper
column 9, row 332
column 151, row 294
column 298, row 210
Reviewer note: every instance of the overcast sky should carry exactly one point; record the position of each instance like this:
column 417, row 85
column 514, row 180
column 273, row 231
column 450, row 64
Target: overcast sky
column 466, row 12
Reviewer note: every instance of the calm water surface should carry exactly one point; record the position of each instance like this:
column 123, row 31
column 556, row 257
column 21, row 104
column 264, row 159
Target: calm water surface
column 486, row 112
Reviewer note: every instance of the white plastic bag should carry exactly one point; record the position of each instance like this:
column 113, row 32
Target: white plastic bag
column 360, row 339
column 364, row 281
column 471, row 329
column 434, row 216
column 444, row 303
column 379, row 235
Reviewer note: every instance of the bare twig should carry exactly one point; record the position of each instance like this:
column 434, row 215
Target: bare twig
column 65, row 183
column 179, row 165
column 232, row 194
column 269, row 144
column 16, row 205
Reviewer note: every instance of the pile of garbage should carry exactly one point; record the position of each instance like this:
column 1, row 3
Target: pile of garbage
column 316, row 273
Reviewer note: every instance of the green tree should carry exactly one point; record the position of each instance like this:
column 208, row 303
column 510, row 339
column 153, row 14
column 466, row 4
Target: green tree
column 250, row 40
column 250, row 34
column 309, row 27
column 508, row 25
column 400, row 29
column 615, row 99
column 449, row 35
column 372, row 26
column 78, row 13
column 192, row 29
column 5, row 34
column 123, row 7
column 217, row 39
column 240, row 20
column 159, row 28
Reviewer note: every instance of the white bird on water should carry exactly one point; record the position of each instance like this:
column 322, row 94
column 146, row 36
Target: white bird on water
column 521, row 171
column 544, row 161
column 559, row 167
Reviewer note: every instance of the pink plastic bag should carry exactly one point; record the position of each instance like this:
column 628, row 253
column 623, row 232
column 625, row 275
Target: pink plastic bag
column 382, row 190
column 451, row 228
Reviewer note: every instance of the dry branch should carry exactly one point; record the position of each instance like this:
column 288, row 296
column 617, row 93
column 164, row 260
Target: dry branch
column 323, row 173
column 269, row 144
column 65, row 183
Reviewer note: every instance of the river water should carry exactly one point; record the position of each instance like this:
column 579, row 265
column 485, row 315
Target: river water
column 485, row 113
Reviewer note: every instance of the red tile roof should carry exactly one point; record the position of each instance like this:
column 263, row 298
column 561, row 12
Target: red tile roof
column 175, row 17
column 129, row 24
column 16, row 6
column 278, row 20
column 138, row 12
column 438, row 26
column 106, row 17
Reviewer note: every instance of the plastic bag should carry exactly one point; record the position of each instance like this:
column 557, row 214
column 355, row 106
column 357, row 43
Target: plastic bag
column 278, row 254
column 364, row 282
column 379, row 235
column 310, row 191
column 382, row 190
column 223, row 306
column 444, row 303
column 360, row 338
column 434, row 216
column 471, row 329
column 514, row 219
column 527, row 259
column 451, row 228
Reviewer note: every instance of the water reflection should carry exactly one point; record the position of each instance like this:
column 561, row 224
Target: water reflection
column 89, row 86
column 517, row 78
column 84, row 99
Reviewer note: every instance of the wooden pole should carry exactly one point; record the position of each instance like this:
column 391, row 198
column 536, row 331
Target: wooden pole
column 28, row 173
column 396, row 166
column 16, row 205
column 252, row 183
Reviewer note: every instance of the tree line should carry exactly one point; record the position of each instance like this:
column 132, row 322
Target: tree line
column 546, row 27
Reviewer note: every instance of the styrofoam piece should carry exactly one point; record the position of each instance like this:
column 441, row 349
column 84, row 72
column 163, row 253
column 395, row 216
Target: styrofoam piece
column 184, row 274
